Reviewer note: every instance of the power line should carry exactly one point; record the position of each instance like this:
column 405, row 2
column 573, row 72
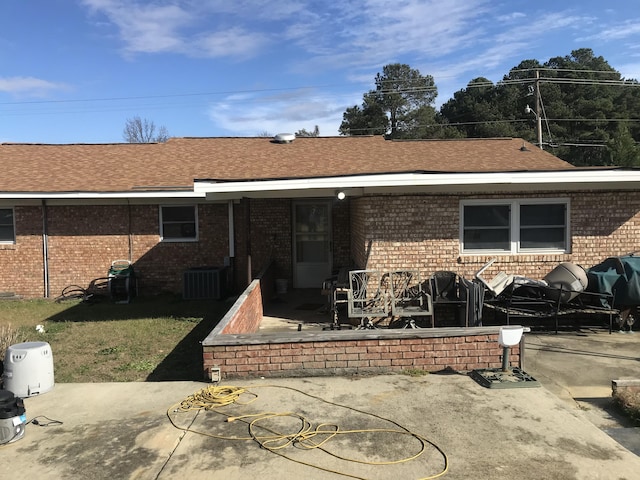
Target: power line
column 171, row 95
column 572, row 70
column 425, row 88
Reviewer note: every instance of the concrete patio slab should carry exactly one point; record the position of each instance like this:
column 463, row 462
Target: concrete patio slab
column 122, row 431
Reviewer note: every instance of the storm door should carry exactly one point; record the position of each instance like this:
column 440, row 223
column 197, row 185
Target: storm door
column 311, row 243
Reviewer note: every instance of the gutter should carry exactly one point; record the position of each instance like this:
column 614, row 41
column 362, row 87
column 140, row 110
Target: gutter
column 355, row 185
column 99, row 195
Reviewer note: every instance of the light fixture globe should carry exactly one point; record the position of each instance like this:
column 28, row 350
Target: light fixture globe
column 341, row 195
column 510, row 336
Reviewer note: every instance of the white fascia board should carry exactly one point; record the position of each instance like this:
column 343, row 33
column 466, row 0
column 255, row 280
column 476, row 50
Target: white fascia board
column 548, row 180
column 99, row 195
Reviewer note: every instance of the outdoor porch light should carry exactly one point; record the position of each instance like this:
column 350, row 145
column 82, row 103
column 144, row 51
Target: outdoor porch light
column 341, row 195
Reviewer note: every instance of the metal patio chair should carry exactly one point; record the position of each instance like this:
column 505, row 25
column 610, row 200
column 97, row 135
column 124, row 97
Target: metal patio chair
column 408, row 299
column 368, row 297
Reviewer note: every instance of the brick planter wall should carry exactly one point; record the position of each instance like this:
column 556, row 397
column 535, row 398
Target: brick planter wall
column 625, row 385
column 236, row 348
column 348, row 352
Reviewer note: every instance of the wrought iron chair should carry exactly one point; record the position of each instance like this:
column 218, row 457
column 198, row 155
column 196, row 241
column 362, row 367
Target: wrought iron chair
column 368, row 297
column 408, row 300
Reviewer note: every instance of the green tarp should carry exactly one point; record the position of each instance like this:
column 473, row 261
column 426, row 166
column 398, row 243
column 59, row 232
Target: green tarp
column 618, row 276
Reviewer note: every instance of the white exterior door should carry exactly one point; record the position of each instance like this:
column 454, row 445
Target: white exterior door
column 311, row 243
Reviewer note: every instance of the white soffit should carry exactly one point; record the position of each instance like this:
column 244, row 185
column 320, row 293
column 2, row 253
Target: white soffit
column 563, row 180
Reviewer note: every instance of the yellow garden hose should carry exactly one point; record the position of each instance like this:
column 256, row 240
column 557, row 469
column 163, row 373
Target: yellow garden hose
column 214, row 397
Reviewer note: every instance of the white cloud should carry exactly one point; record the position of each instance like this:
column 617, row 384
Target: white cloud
column 234, row 42
column 454, row 41
column 287, row 112
column 331, row 33
column 144, row 27
column 175, row 28
column 510, row 16
column 628, row 29
column 29, row 86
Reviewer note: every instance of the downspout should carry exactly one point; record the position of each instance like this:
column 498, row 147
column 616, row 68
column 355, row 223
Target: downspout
column 129, row 232
column 248, row 238
column 231, row 264
column 232, row 240
column 45, row 250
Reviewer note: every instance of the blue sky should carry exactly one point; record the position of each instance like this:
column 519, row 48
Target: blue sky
column 73, row 71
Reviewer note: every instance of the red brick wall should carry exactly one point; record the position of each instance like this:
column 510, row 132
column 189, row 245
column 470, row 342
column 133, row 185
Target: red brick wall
column 383, row 232
column 341, row 232
column 396, row 350
column 422, row 232
column 241, row 274
column 82, row 243
column 162, row 264
column 246, row 314
column 83, row 240
column 359, row 241
column 271, row 236
column 21, row 266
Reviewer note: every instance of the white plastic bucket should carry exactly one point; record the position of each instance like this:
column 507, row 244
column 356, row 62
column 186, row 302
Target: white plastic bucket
column 28, row 369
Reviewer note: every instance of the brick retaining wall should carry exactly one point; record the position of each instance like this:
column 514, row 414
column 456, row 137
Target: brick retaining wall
column 238, row 351
column 625, row 385
column 295, row 354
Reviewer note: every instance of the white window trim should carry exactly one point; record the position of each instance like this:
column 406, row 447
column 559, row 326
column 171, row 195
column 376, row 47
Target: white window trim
column 176, row 240
column 514, row 229
column 13, row 218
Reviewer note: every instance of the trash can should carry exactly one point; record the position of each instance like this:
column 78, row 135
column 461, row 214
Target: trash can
column 28, row 369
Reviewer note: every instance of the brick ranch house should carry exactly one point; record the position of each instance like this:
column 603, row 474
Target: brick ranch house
column 68, row 211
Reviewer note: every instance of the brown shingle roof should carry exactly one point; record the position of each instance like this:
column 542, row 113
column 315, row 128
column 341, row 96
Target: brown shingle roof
column 176, row 163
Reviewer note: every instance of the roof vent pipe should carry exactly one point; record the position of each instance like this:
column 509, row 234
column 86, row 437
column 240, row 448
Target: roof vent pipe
column 284, row 138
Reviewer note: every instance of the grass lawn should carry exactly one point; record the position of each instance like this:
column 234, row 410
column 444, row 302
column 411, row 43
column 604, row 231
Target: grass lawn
column 149, row 339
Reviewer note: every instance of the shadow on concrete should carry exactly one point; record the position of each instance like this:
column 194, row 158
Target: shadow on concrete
column 607, row 406
column 572, row 351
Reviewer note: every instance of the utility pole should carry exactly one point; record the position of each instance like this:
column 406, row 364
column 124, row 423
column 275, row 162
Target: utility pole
column 538, row 103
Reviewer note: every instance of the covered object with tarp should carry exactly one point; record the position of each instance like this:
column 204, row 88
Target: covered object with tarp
column 620, row 277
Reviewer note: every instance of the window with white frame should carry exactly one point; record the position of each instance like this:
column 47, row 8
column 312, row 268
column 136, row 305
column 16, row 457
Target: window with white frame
column 179, row 223
column 7, row 227
column 514, row 226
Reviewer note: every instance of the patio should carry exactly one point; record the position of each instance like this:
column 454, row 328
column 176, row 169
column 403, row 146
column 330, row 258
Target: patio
column 305, row 309
column 372, row 299
column 292, row 336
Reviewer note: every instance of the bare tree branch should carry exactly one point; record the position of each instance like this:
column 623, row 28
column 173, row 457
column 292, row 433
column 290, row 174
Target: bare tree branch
column 139, row 130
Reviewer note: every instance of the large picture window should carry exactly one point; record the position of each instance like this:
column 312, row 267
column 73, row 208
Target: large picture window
column 514, row 226
column 7, row 227
column 179, row 223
